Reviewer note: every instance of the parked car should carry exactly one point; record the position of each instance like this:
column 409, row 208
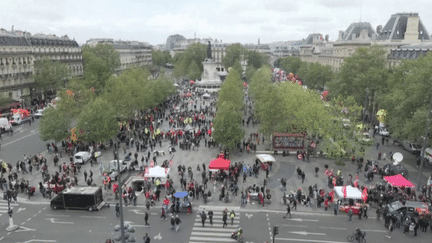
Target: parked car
column 38, row 113
column 414, row 148
column 410, row 207
column 383, row 131
column 81, row 157
column 391, row 169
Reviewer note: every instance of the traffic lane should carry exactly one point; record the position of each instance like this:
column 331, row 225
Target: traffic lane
column 63, row 226
column 322, row 227
column 257, row 227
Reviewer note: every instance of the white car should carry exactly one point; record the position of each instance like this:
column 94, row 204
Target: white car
column 81, row 157
column 383, row 131
column 38, row 113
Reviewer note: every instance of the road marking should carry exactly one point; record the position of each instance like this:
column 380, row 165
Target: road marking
column 333, row 228
column 380, row 231
column 212, row 229
column 33, row 240
column 23, row 229
column 249, row 215
column 21, row 209
column 289, row 225
column 193, row 238
column 34, row 215
column 307, row 240
column 1, row 238
column 93, row 217
column 53, row 220
column 301, row 220
column 28, row 219
column 57, row 215
column 305, row 233
column 19, row 139
column 158, row 237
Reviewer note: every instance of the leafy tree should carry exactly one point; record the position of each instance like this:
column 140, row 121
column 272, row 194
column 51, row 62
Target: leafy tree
column 74, row 98
column 160, row 58
column 97, row 122
column 238, row 67
column 50, row 74
column 100, row 62
column 291, row 64
column 407, row 101
column 231, row 90
column 315, row 75
column 361, row 74
column 227, row 125
column 256, row 59
column 233, row 54
column 194, row 71
column 196, row 52
column 250, row 71
column 54, row 125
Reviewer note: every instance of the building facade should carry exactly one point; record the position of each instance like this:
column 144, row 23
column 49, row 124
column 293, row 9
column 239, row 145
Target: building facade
column 19, row 51
column 132, row 53
column 402, row 29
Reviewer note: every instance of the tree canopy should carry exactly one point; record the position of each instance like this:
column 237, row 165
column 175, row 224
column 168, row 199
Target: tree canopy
column 407, row 101
column 160, row 58
column 195, row 53
column 315, row 75
column 100, row 62
column 234, row 53
column 50, row 74
column 54, row 125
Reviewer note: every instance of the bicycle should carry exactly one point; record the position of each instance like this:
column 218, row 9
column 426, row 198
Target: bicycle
column 360, row 239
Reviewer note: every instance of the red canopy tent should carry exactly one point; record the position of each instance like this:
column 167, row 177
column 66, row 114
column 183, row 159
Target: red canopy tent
column 219, row 163
column 399, row 181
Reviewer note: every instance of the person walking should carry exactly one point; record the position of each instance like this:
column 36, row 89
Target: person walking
column 378, row 213
column 232, row 216
column 210, row 215
column 203, row 217
column 146, row 238
column 224, row 219
column 294, row 204
column 163, row 213
column 288, row 212
column 146, row 217
column 350, row 214
column 85, row 175
column 360, row 212
column 390, row 229
column 177, row 222
column 365, row 212
column 172, row 222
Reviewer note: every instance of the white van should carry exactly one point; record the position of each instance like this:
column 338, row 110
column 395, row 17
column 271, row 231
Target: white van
column 4, row 124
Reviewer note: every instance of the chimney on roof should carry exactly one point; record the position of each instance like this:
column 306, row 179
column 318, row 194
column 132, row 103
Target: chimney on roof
column 379, row 29
column 12, row 29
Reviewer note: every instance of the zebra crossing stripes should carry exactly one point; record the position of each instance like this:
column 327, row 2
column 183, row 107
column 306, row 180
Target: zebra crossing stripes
column 215, row 232
column 4, row 207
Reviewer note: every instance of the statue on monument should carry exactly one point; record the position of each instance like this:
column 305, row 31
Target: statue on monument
column 209, row 54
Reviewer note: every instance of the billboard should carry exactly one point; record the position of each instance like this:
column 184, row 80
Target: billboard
column 288, row 141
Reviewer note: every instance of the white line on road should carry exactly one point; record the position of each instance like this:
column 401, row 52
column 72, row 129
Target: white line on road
column 58, row 215
column 212, row 229
column 290, row 225
column 211, row 234
column 1, row 238
column 193, row 238
column 306, row 240
column 380, row 231
column 11, row 142
column 93, row 217
column 333, row 228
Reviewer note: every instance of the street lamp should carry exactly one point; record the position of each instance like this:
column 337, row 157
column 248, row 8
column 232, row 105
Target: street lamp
column 11, row 227
column 425, row 143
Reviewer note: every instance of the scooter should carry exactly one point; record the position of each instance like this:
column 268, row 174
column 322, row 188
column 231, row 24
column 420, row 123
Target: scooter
column 238, row 238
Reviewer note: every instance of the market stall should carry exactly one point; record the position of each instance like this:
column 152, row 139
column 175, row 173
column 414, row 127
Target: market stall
column 349, row 197
column 265, row 159
column 157, row 172
column 398, row 181
column 219, row 164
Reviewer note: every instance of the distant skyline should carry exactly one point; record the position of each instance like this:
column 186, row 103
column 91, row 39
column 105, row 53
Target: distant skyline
column 232, row 21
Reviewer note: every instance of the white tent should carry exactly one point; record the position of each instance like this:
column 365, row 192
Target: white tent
column 157, row 171
column 265, row 158
column 352, row 192
column 206, row 95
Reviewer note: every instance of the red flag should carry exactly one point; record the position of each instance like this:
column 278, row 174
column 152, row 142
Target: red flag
column 364, row 195
column 331, row 194
column 344, row 191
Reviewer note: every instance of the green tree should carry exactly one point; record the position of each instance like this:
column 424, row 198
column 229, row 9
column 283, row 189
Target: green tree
column 98, row 121
column 362, row 74
column 231, row 90
column 160, row 58
column 196, row 52
column 238, row 67
column 100, row 63
column 74, row 98
column 256, row 59
column 408, row 98
column 54, row 125
column 233, row 54
column 227, row 125
column 315, row 75
column 194, row 71
column 250, row 71
column 50, row 74
column 291, row 64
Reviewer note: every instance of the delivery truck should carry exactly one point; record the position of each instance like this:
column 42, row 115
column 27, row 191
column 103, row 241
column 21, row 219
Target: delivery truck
column 81, row 198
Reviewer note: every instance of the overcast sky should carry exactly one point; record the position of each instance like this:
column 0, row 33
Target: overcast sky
column 241, row 21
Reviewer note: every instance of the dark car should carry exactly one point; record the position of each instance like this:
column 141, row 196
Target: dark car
column 391, row 169
column 408, row 207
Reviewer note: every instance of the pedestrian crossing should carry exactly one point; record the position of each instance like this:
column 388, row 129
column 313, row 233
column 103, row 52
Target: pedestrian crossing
column 215, row 232
column 4, row 207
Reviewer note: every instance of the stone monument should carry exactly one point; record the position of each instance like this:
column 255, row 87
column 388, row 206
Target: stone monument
column 210, row 78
